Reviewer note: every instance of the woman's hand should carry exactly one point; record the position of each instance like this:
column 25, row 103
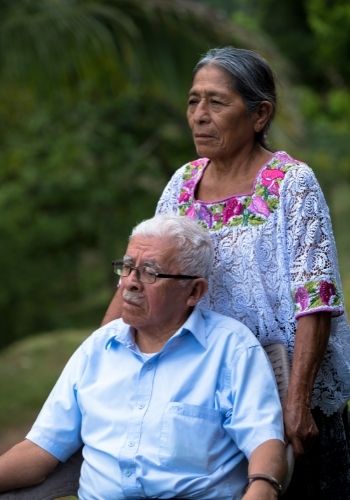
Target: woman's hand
column 300, row 427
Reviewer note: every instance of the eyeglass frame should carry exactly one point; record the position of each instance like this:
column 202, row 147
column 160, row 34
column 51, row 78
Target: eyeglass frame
column 154, row 273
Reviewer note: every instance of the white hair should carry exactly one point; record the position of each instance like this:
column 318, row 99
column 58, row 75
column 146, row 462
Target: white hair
column 193, row 244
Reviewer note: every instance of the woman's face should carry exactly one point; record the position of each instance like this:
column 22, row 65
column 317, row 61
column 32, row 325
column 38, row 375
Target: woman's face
column 217, row 115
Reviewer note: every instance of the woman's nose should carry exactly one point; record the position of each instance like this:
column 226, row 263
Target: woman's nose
column 201, row 113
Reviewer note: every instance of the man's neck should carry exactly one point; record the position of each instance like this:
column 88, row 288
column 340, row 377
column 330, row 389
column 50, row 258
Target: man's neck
column 151, row 340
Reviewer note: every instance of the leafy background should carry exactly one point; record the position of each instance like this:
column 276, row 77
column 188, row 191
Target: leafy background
column 92, row 125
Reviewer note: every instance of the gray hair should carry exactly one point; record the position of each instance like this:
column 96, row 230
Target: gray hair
column 192, row 243
column 251, row 77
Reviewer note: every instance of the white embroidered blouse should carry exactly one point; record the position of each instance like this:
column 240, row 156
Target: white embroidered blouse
column 275, row 260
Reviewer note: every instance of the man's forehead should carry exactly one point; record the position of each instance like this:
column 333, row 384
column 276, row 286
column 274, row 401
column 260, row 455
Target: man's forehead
column 151, row 249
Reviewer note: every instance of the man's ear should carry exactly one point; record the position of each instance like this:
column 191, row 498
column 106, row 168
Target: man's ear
column 199, row 288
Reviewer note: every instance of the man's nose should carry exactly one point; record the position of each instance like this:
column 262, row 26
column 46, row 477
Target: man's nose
column 133, row 280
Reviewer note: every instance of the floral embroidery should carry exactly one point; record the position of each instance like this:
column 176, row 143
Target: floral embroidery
column 302, row 298
column 259, row 206
column 316, row 294
column 327, row 292
column 251, row 209
column 233, row 207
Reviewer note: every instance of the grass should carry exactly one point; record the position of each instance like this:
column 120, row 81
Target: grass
column 28, row 370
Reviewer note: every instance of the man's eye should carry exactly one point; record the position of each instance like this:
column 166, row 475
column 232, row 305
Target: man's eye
column 149, row 270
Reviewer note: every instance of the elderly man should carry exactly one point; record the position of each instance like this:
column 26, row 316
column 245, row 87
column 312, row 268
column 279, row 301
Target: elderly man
column 169, row 401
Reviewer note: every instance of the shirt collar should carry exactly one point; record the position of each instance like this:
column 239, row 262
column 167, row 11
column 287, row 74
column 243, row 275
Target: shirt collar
column 195, row 325
column 118, row 331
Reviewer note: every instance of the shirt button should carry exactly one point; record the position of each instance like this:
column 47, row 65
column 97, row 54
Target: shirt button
column 150, row 367
column 131, row 444
column 140, row 406
column 128, row 473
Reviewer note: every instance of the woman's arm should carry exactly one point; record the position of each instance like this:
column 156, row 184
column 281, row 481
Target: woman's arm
column 310, row 344
column 25, row 464
column 114, row 309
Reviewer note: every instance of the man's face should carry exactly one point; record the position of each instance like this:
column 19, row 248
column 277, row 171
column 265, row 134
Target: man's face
column 161, row 306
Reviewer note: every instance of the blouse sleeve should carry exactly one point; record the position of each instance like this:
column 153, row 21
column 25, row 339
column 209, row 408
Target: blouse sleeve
column 168, row 202
column 311, row 251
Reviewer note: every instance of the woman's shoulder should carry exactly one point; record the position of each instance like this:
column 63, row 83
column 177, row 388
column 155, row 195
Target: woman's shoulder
column 188, row 174
column 283, row 161
column 193, row 167
column 289, row 170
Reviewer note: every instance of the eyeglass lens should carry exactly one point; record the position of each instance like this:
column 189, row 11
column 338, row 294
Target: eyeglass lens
column 142, row 274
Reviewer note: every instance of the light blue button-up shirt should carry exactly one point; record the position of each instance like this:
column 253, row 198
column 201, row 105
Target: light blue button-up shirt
column 179, row 423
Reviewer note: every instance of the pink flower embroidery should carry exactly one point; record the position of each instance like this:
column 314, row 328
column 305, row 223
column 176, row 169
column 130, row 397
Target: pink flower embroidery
column 199, row 162
column 189, row 184
column 302, row 297
column 327, row 291
column 259, row 206
column 270, row 175
column 270, row 178
column 232, row 208
column 184, row 196
column 274, row 188
column 191, row 212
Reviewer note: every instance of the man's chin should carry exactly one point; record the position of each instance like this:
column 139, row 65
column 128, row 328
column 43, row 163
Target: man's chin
column 131, row 314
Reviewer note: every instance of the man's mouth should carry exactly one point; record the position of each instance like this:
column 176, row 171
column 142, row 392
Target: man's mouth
column 132, row 298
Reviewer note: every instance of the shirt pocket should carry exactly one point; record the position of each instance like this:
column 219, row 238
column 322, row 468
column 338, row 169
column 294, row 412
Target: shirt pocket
column 188, row 437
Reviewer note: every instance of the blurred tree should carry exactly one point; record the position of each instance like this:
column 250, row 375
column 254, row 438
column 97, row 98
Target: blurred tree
column 91, row 127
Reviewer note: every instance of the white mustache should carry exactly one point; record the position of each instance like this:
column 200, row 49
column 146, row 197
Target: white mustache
column 132, row 297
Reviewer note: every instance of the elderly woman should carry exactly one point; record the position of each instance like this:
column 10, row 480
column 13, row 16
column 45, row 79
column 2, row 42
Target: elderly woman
column 275, row 258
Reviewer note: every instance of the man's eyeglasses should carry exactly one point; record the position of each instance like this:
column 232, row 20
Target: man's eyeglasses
column 145, row 274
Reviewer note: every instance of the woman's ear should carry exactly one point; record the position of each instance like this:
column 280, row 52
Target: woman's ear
column 199, row 288
column 263, row 115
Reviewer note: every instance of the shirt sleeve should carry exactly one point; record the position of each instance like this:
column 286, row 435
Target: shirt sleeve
column 256, row 409
column 310, row 245
column 57, row 427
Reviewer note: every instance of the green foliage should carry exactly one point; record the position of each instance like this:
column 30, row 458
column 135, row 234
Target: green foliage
column 330, row 24
column 92, row 125
column 76, row 182
column 89, row 135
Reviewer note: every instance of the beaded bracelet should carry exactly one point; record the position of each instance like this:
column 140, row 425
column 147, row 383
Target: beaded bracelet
column 265, row 477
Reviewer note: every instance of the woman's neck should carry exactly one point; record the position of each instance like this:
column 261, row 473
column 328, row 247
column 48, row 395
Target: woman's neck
column 223, row 179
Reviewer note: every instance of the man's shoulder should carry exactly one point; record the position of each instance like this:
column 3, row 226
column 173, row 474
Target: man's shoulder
column 101, row 337
column 220, row 326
